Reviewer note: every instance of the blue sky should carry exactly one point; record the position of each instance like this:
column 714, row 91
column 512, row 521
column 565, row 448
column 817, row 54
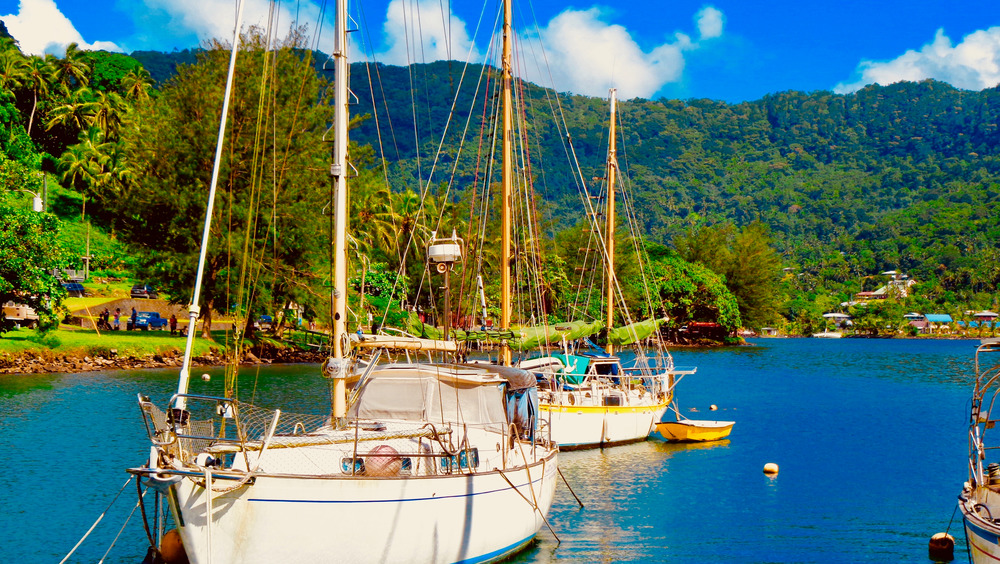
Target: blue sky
column 732, row 50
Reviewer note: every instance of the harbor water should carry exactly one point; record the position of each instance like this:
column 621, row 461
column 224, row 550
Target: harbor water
column 869, row 435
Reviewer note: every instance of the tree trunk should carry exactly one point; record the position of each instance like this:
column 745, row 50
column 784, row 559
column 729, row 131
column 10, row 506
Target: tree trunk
column 206, row 326
column 34, row 105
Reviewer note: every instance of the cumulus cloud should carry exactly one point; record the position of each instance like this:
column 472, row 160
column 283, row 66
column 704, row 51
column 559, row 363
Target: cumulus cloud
column 40, row 28
column 710, row 22
column 417, row 32
column 216, row 19
column 973, row 64
column 587, row 55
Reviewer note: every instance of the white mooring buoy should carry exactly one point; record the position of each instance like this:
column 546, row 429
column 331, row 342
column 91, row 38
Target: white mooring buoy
column 941, row 548
column 206, row 377
column 713, row 407
column 770, row 468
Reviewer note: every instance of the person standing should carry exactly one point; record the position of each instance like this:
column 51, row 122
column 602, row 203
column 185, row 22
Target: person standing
column 135, row 316
column 173, row 324
column 118, row 316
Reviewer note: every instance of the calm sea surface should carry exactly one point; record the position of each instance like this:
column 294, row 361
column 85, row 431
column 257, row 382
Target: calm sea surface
column 870, row 436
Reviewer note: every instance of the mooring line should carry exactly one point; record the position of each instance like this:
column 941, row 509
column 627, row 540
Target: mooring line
column 91, row 529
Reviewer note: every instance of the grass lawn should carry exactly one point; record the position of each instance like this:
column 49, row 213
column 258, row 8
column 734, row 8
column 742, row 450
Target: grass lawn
column 88, row 342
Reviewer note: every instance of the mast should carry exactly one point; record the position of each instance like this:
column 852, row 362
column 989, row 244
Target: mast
column 338, row 170
column 506, row 190
column 194, row 310
column 610, row 221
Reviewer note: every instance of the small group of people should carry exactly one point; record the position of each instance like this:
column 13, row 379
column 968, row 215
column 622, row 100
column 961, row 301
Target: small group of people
column 104, row 319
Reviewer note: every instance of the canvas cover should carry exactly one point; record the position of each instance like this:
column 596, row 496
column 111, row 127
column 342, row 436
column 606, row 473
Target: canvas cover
column 432, row 393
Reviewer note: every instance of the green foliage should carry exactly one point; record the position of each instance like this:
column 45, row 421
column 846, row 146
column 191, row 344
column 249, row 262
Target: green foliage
column 28, row 254
column 745, row 260
column 691, row 292
column 108, row 69
column 264, row 251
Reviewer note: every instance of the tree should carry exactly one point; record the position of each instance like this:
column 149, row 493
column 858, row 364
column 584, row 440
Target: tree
column 750, row 267
column 29, row 252
column 268, row 239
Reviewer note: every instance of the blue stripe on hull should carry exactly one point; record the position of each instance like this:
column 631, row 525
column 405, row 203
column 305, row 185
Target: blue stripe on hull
column 498, row 554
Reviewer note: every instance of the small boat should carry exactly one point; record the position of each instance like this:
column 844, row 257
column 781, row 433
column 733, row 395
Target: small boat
column 828, row 335
column 692, row 430
column 980, row 497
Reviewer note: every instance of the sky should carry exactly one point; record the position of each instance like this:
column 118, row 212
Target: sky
column 730, row 50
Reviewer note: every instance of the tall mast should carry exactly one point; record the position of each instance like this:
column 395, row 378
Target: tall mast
column 508, row 177
column 339, row 172
column 610, row 219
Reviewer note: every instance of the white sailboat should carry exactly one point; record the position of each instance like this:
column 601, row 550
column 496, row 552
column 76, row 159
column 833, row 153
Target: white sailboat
column 415, row 463
column 591, row 399
column 979, row 501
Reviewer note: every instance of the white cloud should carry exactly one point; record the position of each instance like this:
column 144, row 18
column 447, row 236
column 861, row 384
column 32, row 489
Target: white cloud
column 41, row 28
column 164, row 20
column 710, row 22
column 587, row 55
column 416, row 33
column 973, row 64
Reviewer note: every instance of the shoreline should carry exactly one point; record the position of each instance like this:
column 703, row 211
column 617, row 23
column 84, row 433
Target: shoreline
column 69, row 363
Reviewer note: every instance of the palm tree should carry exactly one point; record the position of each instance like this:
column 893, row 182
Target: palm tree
column 109, row 113
column 136, row 85
column 12, row 69
column 78, row 112
column 37, row 77
column 70, row 71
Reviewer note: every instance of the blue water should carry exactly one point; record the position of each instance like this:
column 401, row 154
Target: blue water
column 870, row 436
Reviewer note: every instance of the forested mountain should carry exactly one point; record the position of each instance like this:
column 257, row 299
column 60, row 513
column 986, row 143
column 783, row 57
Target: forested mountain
column 904, row 176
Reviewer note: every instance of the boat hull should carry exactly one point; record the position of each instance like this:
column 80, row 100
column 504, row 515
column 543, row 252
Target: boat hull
column 694, row 431
column 454, row 518
column 591, row 426
column 982, row 536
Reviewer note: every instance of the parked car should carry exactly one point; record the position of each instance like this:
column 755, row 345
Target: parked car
column 143, row 291
column 74, row 289
column 146, row 320
column 264, row 322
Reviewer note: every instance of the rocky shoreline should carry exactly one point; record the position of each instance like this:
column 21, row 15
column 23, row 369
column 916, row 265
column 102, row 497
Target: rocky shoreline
column 52, row 363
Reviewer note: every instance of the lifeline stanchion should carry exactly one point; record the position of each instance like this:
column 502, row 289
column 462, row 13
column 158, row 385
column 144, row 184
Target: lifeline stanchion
column 91, row 529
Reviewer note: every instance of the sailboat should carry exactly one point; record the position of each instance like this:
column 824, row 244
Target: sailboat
column 415, row 462
column 979, row 501
column 589, row 398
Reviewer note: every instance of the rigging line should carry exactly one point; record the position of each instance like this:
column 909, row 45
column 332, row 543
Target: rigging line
column 426, row 186
column 99, row 518
column 121, row 530
column 378, row 74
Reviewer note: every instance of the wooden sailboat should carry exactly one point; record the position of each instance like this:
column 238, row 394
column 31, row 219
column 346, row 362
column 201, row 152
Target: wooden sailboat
column 414, row 463
column 591, row 399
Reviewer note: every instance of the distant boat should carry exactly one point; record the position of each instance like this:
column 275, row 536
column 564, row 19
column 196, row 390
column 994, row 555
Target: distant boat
column 980, row 498
column 828, row 335
column 691, row 430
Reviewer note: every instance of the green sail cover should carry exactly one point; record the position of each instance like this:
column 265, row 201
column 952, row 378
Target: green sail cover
column 420, row 329
column 634, row 333
column 534, row 337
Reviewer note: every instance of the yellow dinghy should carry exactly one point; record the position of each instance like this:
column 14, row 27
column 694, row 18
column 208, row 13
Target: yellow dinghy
column 690, row 430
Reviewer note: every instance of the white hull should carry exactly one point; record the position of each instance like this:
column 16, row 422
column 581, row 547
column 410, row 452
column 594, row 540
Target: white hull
column 587, row 424
column 983, row 538
column 458, row 518
column 828, row 335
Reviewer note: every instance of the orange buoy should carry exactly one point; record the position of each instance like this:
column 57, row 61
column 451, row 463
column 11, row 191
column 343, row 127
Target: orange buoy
column 172, row 549
column 770, row 468
column 941, row 548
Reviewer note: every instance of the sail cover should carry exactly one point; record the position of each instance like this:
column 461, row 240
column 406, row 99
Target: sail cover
column 533, row 337
column 634, row 332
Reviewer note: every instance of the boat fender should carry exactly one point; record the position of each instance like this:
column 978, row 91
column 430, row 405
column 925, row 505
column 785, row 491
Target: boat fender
column 572, row 398
column 941, row 548
column 172, row 548
column 770, row 468
column 383, row 460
